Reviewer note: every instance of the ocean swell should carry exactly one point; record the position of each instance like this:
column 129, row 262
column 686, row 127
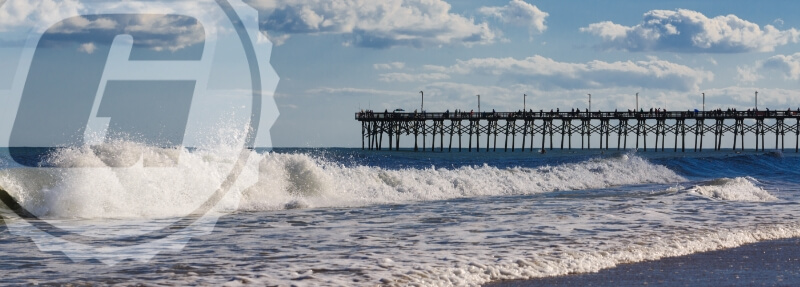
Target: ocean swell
column 81, row 187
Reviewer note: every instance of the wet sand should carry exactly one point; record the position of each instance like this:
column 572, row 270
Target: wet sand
column 768, row 263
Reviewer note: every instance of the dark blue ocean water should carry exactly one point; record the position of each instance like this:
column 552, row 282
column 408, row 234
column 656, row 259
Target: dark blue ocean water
column 351, row 217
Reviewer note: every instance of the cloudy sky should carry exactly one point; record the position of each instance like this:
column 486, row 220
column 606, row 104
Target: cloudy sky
column 338, row 56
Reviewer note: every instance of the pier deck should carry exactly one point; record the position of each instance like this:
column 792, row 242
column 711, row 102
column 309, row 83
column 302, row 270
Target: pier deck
column 565, row 125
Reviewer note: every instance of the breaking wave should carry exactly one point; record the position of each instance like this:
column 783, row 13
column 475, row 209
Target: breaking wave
column 298, row 180
column 733, row 189
column 274, row 181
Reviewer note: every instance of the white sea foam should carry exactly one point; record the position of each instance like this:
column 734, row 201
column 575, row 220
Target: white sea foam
column 506, row 240
column 457, row 242
column 81, row 185
column 474, row 273
column 733, row 189
column 298, row 180
column 284, row 181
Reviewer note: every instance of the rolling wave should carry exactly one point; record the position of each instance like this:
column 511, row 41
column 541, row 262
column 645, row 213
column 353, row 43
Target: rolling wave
column 81, row 187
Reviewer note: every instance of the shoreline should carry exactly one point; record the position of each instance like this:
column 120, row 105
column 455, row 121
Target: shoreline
column 766, row 263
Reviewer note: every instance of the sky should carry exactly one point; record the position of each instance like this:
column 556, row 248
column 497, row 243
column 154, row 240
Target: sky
column 336, row 57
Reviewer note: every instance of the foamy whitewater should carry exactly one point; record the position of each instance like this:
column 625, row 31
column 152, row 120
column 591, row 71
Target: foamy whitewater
column 347, row 217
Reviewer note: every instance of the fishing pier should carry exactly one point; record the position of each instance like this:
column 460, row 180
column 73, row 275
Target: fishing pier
column 557, row 129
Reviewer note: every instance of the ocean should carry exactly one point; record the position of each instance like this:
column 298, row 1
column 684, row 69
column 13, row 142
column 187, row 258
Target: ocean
column 348, row 217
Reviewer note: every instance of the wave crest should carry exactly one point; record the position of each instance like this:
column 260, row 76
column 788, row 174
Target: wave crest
column 733, row 189
column 286, row 179
column 80, row 187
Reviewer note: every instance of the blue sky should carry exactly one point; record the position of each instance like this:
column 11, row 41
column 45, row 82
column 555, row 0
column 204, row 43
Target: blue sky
column 335, row 57
column 556, row 52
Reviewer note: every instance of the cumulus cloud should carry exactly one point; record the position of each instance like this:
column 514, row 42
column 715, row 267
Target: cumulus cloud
column 510, row 98
column 744, row 98
column 28, row 13
column 87, row 48
column 156, row 32
column 691, row 32
column 747, row 74
column 374, row 24
column 547, row 73
column 406, row 77
column 519, row 13
column 788, row 65
column 159, row 26
column 389, row 66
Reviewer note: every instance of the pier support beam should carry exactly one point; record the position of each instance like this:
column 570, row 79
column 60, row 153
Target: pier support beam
column 471, row 131
column 779, row 133
column 718, row 132
column 478, row 136
column 397, row 125
column 699, row 132
column 760, row 122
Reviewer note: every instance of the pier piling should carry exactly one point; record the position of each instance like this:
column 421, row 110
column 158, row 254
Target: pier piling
column 585, row 124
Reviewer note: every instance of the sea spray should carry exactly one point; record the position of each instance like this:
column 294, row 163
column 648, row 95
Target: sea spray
column 288, row 178
column 86, row 182
column 289, row 181
column 733, row 189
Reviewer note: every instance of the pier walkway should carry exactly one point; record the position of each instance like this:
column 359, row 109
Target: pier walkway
column 558, row 128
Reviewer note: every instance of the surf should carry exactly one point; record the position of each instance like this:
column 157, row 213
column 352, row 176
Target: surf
column 278, row 181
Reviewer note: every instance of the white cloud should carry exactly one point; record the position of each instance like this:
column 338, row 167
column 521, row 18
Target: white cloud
column 153, row 30
column 28, row 13
column 375, row 24
column 747, row 74
column 520, row 13
column 743, row 98
column 788, row 65
column 87, row 48
column 389, row 66
column 406, row 77
column 357, row 91
column 76, row 25
column 435, row 68
column 691, row 32
column 450, row 95
column 157, row 32
column 549, row 74
column 276, row 39
column 608, row 30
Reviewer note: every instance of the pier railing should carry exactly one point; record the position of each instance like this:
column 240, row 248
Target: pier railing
column 362, row 116
column 583, row 124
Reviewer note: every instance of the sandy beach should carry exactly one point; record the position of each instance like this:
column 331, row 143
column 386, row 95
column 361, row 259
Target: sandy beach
column 768, row 263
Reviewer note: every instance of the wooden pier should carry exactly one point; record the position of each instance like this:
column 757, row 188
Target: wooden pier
column 558, row 128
